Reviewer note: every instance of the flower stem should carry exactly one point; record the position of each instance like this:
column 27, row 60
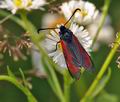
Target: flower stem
column 5, row 19
column 30, row 97
column 67, row 85
column 12, row 17
column 56, row 83
column 105, row 11
column 67, row 92
column 103, row 69
column 33, row 34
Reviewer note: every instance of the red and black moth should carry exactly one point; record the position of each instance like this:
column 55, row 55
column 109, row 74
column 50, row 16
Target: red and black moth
column 74, row 53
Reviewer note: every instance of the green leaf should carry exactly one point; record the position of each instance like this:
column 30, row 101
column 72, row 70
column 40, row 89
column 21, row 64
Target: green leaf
column 102, row 84
column 14, row 81
column 48, row 74
column 67, row 78
column 10, row 73
column 52, row 78
column 23, row 77
column 105, row 97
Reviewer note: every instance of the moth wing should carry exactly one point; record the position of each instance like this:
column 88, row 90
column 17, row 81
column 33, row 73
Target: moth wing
column 73, row 69
column 80, row 57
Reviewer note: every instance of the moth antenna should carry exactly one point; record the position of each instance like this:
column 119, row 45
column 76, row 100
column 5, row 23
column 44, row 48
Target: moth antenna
column 45, row 29
column 72, row 15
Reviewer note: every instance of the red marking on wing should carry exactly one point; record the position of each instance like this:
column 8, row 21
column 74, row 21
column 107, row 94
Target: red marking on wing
column 87, row 62
column 74, row 71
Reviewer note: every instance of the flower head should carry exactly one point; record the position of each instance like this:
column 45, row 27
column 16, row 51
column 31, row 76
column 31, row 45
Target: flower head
column 13, row 44
column 14, row 5
column 53, row 38
column 88, row 11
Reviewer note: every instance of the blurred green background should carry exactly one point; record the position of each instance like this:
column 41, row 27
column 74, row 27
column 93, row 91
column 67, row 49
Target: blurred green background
column 41, row 89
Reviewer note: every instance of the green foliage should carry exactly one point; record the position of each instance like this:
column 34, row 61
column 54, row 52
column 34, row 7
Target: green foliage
column 106, row 97
column 62, row 85
column 102, row 84
column 12, row 79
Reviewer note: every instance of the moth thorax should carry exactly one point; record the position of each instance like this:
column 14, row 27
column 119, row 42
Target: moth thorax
column 62, row 28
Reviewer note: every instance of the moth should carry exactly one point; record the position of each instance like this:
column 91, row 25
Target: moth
column 74, row 53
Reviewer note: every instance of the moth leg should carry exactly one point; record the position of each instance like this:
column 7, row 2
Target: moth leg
column 56, row 45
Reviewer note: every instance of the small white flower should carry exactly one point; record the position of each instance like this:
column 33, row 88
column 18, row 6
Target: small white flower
column 14, row 5
column 88, row 11
column 53, row 38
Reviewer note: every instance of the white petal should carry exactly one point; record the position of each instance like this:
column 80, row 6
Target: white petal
column 36, row 4
column 10, row 5
column 86, row 7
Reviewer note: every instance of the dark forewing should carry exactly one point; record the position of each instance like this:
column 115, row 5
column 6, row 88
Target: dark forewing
column 73, row 69
column 80, row 57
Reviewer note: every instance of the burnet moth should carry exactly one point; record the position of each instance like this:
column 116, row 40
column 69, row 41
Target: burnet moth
column 75, row 55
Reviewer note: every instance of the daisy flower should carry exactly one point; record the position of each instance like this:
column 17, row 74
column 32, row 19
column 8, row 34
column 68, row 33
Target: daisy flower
column 15, row 5
column 53, row 38
column 88, row 11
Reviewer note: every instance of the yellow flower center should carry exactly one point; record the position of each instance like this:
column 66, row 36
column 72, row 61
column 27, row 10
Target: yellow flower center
column 84, row 12
column 18, row 3
column 60, row 46
column 21, row 4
